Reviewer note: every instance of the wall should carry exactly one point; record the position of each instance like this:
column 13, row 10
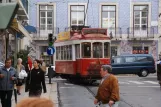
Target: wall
column 93, row 12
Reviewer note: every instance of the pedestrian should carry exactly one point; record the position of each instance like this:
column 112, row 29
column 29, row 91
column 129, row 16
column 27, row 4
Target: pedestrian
column 35, row 102
column 108, row 91
column 29, row 61
column 8, row 75
column 159, row 61
column 36, row 80
column 20, row 81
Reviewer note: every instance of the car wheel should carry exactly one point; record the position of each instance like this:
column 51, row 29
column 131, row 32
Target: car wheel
column 143, row 73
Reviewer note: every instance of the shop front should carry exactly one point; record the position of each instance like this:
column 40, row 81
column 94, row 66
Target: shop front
column 135, row 47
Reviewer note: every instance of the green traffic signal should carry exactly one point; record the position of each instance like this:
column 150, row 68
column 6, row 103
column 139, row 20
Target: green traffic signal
column 50, row 44
column 50, row 39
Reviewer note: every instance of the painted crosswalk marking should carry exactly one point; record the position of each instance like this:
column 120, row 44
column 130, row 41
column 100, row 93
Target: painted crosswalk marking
column 149, row 86
column 67, row 87
column 136, row 82
column 68, row 84
column 152, row 82
column 123, row 82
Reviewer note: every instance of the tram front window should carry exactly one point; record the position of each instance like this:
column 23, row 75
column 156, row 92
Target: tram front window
column 97, row 50
column 86, row 50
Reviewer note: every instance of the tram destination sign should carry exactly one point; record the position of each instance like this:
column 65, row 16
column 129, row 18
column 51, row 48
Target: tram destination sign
column 86, row 31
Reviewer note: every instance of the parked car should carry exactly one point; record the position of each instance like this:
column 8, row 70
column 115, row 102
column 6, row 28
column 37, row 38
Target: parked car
column 1, row 64
column 140, row 64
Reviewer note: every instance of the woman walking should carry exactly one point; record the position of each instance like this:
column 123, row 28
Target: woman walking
column 19, row 68
column 36, row 80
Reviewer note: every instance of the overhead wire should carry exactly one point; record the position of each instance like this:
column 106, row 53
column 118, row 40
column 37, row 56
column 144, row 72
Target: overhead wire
column 86, row 12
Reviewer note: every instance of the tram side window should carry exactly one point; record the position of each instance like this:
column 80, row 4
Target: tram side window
column 62, row 53
column 58, row 53
column 69, row 52
column 86, row 50
column 106, row 49
column 65, row 52
column 97, row 50
column 77, row 48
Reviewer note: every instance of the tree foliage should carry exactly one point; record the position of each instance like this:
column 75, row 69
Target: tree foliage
column 23, row 54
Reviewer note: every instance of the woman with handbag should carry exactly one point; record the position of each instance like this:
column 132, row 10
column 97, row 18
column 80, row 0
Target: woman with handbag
column 19, row 68
column 36, row 80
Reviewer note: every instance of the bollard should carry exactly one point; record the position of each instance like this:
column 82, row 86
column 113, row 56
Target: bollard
column 50, row 73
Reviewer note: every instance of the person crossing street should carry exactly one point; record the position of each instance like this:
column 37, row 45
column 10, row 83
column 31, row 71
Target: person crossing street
column 108, row 91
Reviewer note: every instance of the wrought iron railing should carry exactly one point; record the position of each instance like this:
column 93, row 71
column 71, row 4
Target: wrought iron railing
column 74, row 27
column 142, row 32
column 114, row 32
column 43, row 32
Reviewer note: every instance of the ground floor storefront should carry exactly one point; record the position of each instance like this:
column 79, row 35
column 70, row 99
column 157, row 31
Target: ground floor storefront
column 135, row 47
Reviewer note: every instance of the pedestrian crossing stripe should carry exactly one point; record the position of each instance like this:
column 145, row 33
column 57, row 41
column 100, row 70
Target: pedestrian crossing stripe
column 139, row 83
column 152, row 82
column 136, row 82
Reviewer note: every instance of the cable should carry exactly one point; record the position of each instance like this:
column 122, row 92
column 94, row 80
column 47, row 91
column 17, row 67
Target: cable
column 86, row 12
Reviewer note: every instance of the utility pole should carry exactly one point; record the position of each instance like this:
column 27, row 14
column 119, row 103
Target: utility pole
column 7, row 44
column 16, row 50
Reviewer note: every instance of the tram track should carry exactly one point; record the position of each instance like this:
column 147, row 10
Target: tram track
column 93, row 94
column 89, row 89
column 59, row 100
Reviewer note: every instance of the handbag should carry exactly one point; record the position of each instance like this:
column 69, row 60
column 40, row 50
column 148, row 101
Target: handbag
column 22, row 74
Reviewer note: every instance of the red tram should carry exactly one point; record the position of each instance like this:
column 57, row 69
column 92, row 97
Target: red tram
column 80, row 53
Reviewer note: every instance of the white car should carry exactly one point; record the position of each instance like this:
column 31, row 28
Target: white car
column 47, row 69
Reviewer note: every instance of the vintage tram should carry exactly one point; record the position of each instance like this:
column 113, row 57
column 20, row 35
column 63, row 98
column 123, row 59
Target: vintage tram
column 80, row 53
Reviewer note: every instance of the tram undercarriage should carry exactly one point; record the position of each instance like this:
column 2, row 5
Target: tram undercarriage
column 80, row 79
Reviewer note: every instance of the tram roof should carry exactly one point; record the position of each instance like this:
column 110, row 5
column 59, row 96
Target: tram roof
column 84, row 34
column 70, row 42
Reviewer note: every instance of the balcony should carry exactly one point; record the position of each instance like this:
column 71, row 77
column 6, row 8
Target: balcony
column 114, row 33
column 42, row 33
column 22, row 13
column 141, row 33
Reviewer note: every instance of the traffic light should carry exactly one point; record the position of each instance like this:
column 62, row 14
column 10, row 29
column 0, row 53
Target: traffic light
column 50, row 39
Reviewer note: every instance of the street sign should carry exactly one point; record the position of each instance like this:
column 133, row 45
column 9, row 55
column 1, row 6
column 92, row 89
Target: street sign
column 50, row 50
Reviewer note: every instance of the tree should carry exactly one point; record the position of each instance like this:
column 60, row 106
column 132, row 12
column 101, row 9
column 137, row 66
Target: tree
column 23, row 54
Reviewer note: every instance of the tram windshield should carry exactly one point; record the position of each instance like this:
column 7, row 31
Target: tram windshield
column 86, row 50
column 97, row 50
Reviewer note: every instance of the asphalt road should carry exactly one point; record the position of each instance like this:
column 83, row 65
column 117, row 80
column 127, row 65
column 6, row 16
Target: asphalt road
column 134, row 92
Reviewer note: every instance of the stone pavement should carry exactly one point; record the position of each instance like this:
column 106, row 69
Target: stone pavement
column 51, row 94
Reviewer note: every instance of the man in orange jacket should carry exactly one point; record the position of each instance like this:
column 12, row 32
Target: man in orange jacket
column 108, row 91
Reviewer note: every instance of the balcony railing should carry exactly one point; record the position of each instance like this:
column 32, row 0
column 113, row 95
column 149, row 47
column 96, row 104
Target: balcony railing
column 145, row 33
column 42, row 33
column 80, row 27
column 114, row 33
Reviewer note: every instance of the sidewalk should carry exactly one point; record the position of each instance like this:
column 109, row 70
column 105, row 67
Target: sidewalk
column 51, row 94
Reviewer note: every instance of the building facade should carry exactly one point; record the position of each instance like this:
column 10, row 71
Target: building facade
column 159, row 44
column 18, row 37
column 131, row 24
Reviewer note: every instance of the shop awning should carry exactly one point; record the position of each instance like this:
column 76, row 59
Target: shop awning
column 30, row 29
column 7, row 13
column 21, row 31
